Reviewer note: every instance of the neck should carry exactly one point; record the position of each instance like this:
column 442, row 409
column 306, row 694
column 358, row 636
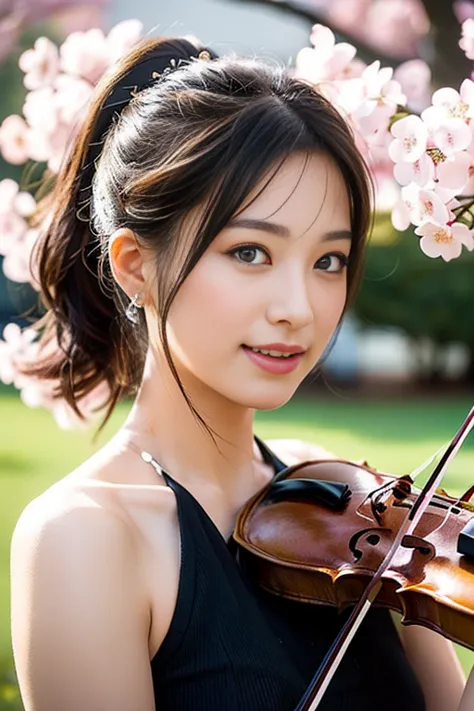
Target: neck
column 161, row 422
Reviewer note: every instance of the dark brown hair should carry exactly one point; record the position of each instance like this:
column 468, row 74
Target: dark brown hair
column 203, row 136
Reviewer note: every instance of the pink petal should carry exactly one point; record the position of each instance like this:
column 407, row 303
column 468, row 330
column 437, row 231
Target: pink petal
column 451, row 251
column 463, row 235
column 8, row 191
column 322, row 38
column 446, row 97
column 14, row 140
column 414, row 77
column 123, row 37
column 430, row 247
column 400, row 216
column 454, row 173
column 452, row 136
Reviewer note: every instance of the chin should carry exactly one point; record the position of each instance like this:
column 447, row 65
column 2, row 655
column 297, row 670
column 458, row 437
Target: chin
column 268, row 400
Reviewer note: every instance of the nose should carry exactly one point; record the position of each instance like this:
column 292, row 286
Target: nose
column 290, row 301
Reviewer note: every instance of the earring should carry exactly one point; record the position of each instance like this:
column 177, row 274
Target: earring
column 131, row 311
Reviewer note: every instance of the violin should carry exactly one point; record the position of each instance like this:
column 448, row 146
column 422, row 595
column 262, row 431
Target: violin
column 320, row 530
column 333, row 532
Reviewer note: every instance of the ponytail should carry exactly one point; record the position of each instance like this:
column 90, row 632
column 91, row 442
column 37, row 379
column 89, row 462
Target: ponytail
column 84, row 339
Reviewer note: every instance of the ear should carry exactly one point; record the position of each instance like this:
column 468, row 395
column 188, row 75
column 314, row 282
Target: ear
column 127, row 262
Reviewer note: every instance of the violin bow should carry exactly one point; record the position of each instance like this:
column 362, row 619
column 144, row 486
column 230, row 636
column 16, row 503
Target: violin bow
column 321, row 680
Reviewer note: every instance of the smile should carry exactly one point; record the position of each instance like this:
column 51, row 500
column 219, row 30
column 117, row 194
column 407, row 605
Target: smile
column 275, row 362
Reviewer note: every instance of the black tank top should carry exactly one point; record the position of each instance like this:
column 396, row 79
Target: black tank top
column 233, row 647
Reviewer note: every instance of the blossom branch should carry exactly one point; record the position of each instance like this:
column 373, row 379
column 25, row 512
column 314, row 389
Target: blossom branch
column 305, row 10
column 449, row 65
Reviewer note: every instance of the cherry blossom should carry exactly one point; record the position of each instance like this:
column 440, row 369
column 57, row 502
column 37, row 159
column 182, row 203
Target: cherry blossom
column 16, row 347
column 36, row 392
column 396, row 24
column 410, row 135
column 40, row 64
column 419, row 171
column 85, row 55
column 72, row 98
column 467, row 39
column 442, row 240
column 381, row 96
column 453, row 173
column 452, row 136
column 393, row 26
column 123, row 37
column 424, row 205
column 17, row 264
column 15, row 207
column 14, row 140
column 414, row 77
column 11, row 199
column 16, row 15
column 447, row 103
column 40, row 111
column 90, row 406
column 463, row 9
column 381, row 87
column 326, row 60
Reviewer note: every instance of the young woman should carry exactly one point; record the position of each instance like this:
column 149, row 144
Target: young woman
column 207, row 234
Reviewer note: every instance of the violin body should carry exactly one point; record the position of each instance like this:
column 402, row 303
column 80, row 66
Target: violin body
column 297, row 544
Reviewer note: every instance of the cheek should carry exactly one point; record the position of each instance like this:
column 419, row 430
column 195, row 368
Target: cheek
column 331, row 300
column 208, row 305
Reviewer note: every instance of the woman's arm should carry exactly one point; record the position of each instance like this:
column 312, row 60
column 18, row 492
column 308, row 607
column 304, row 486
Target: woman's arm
column 467, row 701
column 437, row 667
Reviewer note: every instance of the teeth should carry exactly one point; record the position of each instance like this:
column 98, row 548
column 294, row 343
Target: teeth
column 275, row 354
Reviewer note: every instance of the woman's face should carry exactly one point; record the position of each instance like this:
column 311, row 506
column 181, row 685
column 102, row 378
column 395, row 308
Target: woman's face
column 273, row 278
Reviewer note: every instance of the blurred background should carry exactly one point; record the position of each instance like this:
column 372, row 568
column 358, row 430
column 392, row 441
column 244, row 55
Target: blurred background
column 400, row 377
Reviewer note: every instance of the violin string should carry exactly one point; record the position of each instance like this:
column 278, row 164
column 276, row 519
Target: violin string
column 449, row 512
column 380, row 490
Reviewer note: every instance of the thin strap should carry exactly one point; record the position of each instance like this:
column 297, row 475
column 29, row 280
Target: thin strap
column 149, row 459
column 269, row 457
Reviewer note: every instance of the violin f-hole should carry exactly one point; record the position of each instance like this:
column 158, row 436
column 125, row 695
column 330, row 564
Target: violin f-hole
column 371, row 536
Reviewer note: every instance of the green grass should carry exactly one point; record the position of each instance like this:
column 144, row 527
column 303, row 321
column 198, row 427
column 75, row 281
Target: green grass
column 393, row 436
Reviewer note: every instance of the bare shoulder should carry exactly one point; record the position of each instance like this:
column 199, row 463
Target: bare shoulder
column 77, row 610
column 83, row 593
column 106, row 492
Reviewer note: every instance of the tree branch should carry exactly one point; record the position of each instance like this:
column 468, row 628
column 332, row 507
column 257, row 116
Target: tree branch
column 300, row 8
column 448, row 62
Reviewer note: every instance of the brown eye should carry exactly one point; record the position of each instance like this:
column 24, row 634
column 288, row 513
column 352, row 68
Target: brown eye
column 249, row 254
column 333, row 263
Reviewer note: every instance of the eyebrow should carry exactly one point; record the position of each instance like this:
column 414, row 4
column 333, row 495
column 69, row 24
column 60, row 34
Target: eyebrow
column 251, row 223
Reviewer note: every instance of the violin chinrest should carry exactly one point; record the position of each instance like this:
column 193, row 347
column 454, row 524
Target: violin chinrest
column 333, row 494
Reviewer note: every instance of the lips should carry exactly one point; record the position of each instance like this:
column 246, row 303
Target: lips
column 280, row 347
column 276, row 365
